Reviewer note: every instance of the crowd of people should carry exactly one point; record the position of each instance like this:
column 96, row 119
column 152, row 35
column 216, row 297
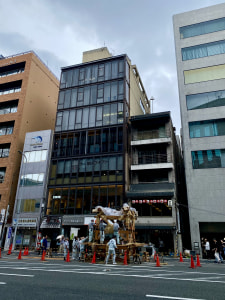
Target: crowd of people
column 214, row 249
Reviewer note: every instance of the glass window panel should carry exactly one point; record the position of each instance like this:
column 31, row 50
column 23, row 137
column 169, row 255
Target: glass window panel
column 114, row 69
column 94, row 73
column 121, row 68
column 74, row 98
column 113, row 91
column 61, row 99
column 60, row 167
column 92, row 116
column 120, row 113
column 85, row 117
column 93, row 94
column 113, row 119
column 71, row 120
column 87, row 95
column 204, row 159
column 99, row 116
column 37, row 156
column 80, row 97
column 31, row 157
column 120, row 90
column 44, row 154
column 108, row 70
column 120, row 163
column 81, row 76
column 65, row 120
column 100, row 93
column 106, row 114
column 107, row 92
column 112, row 163
column 69, row 78
column 75, row 77
column 87, row 75
column 67, row 99
column 202, row 28
column 206, row 100
column 78, row 118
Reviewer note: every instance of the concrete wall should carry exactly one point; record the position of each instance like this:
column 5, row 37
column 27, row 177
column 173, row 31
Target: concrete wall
column 205, row 187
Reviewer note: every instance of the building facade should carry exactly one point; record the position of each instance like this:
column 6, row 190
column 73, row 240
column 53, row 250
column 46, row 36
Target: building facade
column 31, row 189
column 154, row 188
column 89, row 165
column 28, row 102
column 200, row 54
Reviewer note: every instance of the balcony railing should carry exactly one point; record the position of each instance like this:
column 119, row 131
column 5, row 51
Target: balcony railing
column 150, row 134
column 152, row 159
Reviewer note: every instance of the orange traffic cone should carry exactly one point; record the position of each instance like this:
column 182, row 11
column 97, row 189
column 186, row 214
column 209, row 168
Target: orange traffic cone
column 27, row 252
column 68, row 257
column 24, row 252
column 94, row 258
column 181, row 257
column 20, row 254
column 155, row 256
column 198, row 261
column 125, row 258
column 192, row 263
column 10, row 250
column 157, row 261
column 43, row 256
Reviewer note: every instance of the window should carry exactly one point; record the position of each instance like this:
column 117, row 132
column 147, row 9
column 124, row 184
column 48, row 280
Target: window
column 12, row 69
column 29, row 205
column 11, row 87
column 6, row 128
column 202, row 28
column 204, row 74
column 205, row 159
column 4, row 150
column 207, row 128
column 203, row 50
column 206, row 100
column 2, row 174
column 35, row 156
column 32, row 179
column 8, row 107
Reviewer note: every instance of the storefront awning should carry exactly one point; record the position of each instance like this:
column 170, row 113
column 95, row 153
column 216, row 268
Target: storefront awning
column 51, row 222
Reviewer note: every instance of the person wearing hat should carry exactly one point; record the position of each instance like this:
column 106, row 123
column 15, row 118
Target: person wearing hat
column 112, row 246
column 116, row 231
column 91, row 230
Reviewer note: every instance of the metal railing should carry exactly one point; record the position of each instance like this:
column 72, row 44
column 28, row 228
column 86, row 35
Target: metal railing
column 151, row 158
column 150, row 134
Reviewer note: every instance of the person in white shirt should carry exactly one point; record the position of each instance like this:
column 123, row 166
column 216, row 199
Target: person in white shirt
column 112, row 246
column 207, row 248
column 66, row 247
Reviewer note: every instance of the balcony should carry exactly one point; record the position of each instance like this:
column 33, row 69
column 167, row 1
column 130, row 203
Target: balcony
column 152, row 161
column 151, row 137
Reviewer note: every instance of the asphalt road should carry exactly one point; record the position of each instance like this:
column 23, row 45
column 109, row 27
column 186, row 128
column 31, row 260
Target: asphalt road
column 31, row 278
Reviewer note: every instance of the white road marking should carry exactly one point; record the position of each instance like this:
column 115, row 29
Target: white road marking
column 167, row 297
column 20, row 275
column 2, row 282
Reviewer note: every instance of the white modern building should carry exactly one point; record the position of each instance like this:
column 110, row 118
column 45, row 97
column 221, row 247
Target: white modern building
column 200, row 54
column 31, row 189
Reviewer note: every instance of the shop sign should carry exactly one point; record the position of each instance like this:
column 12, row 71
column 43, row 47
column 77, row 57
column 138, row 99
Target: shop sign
column 51, row 222
column 73, row 220
column 37, row 142
column 149, row 201
column 26, row 240
column 19, row 239
column 27, row 222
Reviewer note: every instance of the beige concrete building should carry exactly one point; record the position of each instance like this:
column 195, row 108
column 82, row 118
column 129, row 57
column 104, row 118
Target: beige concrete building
column 28, row 102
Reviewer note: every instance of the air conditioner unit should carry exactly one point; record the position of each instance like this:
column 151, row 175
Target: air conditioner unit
column 170, row 203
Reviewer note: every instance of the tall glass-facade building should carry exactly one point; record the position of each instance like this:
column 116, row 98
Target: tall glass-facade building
column 89, row 164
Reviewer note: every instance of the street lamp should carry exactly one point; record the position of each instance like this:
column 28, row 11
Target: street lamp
column 151, row 100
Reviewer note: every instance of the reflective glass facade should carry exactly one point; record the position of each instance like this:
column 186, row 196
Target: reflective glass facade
column 206, row 100
column 87, row 165
column 202, row 28
column 205, row 159
column 207, row 128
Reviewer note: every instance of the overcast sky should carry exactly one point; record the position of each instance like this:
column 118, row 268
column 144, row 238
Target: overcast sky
column 60, row 30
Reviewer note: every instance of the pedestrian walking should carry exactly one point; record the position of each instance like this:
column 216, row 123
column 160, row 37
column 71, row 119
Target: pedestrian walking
column 116, row 231
column 62, row 241
column 91, row 230
column 66, row 247
column 216, row 249
column 44, row 244
column 76, row 248
column 111, row 250
column 207, row 248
